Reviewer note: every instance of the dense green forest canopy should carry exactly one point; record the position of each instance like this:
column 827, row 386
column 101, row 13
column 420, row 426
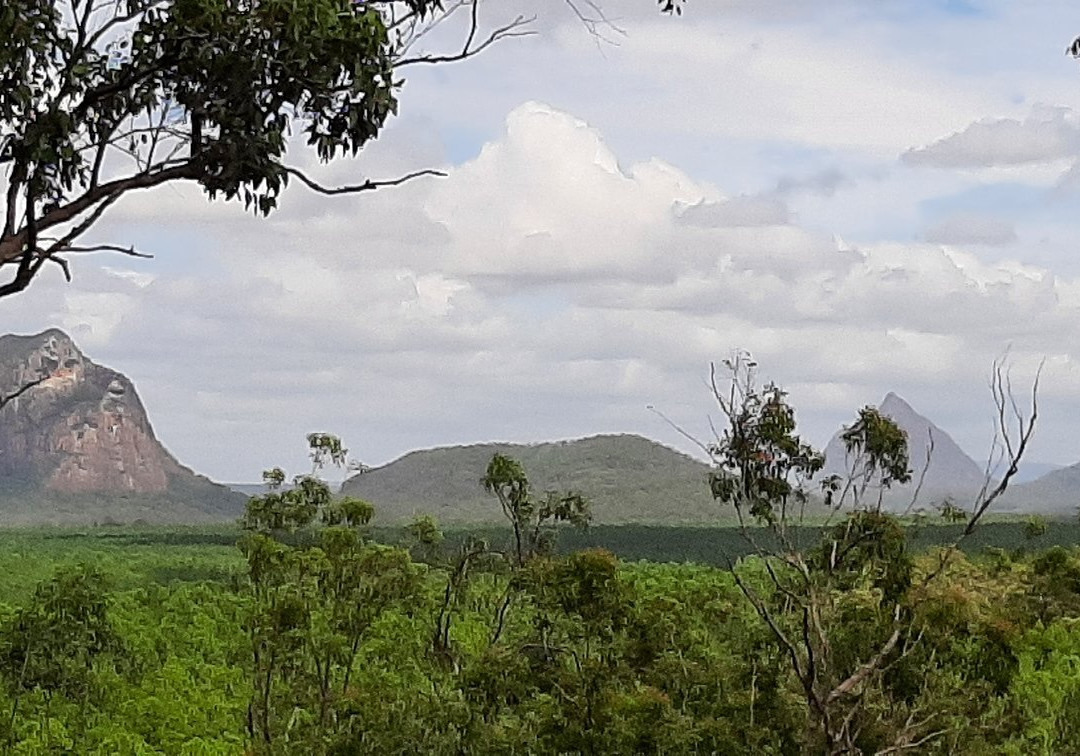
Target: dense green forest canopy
column 686, row 669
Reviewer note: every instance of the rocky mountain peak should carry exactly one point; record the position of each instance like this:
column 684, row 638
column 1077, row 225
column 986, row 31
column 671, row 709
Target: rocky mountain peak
column 80, row 428
column 950, row 472
column 892, row 403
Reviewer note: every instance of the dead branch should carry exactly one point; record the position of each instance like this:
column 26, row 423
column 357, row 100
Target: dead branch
column 129, row 251
column 1015, row 448
column 922, row 474
column 867, row 669
column 596, row 21
column 1011, row 438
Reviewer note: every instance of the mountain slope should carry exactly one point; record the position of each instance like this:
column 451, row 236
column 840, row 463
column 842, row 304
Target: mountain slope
column 951, row 472
column 627, row 478
column 1057, row 492
column 79, row 447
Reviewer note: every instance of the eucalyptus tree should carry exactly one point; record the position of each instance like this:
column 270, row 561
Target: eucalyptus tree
column 51, row 645
column 318, row 585
column 844, row 610
column 101, row 98
column 533, row 521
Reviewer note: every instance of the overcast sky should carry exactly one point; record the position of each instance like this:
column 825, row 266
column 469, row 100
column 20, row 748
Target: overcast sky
column 870, row 196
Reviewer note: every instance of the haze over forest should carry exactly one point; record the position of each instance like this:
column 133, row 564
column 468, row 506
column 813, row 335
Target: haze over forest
column 78, row 447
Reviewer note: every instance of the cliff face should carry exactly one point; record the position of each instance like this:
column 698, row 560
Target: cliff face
column 83, row 430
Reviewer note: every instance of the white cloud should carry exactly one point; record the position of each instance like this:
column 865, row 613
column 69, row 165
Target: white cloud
column 971, row 228
column 1046, row 135
column 556, row 293
column 562, row 280
column 737, row 211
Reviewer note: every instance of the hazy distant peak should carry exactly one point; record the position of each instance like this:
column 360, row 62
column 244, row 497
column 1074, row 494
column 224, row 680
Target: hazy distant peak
column 893, row 406
column 951, row 472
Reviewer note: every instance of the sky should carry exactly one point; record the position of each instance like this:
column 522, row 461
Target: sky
column 869, row 197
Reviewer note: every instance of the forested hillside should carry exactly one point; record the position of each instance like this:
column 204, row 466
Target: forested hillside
column 627, row 478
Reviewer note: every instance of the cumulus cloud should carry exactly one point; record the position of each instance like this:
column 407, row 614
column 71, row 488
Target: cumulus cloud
column 825, row 183
column 971, row 228
column 1047, row 134
column 552, row 290
column 737, row 211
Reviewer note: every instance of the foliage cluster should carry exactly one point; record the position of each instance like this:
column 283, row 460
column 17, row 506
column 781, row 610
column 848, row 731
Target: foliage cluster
column 672, row 660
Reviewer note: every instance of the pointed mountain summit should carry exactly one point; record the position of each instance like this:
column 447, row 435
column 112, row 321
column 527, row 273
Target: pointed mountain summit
column 951, row 472
column 76, row 444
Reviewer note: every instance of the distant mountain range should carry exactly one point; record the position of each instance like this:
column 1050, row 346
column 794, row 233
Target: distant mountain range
column 952, row 474
column 1029, row 471
column 78, row 447
column 632, row 479
column 1057, row 492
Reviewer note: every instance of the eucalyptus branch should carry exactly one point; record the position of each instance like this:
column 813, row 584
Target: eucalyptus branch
column 128, row 251
column 123, row 19
column 515, row 28
column 357, row 188
column 6, row 398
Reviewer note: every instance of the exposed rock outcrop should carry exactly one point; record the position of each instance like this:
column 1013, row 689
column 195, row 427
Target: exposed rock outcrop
column 82, row 429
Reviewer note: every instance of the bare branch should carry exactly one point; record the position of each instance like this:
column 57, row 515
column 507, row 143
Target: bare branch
column 595, row 22
column 129, row 251
column 13, row 245
column 867, row 669
column 59, row 261
column 1016, row 448
column 515, row 28
column 678, row 429
column 367, row 186
column 766, row 615
column 4, row 399
column 899, row 747
column 60, row 244
column 925, row 469
column 1013, row 441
